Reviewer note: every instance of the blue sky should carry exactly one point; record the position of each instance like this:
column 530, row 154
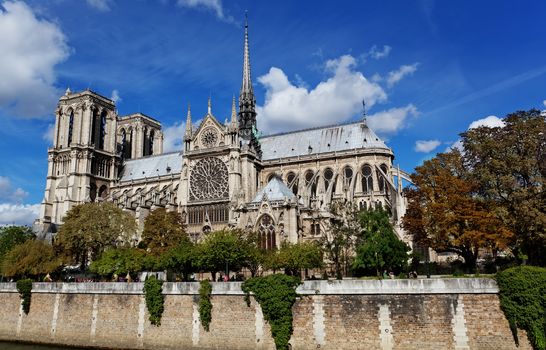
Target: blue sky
column 427, row 69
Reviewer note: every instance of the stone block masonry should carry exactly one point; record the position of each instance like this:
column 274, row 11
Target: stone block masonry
column 351, row 314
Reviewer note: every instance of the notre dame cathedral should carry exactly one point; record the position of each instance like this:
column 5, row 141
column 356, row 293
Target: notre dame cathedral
column 226, row 175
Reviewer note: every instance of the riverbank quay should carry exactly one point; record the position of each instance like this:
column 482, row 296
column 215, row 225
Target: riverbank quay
column 454, row 313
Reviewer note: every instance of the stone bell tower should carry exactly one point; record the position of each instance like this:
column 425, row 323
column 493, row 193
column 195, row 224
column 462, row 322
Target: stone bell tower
column 83, row 162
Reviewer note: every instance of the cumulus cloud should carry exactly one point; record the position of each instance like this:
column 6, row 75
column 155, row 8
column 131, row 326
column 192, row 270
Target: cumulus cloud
column 173, row 137
column 377, row 53
column 10, row 194
column 396, row 75
column 391, row 120
column 210, row 5
column 18, row 214
column 101, row 5
column 337, row 99
column 426, row 146
column 30, row 47
column 544, row 103
column 49, row 134
column 490, row 121
column 115, row 96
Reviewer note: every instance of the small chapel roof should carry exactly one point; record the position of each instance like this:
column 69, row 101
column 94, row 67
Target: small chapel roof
column 320, row 140
column 152, row 166
column 275, row 190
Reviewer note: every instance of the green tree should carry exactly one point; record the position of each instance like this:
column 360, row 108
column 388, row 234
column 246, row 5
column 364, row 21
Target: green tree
column 31, row 258
column 181, row 258
column 10, row 236
column 339, row 241
column 221, row 249
column 379, row 248
column 446, row 213
column 90, row 228
column 509, row 166
column 295, row 257
column 162, row 230
column 119, row 261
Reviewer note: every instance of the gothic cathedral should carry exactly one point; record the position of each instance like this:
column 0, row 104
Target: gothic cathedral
column 226, row 176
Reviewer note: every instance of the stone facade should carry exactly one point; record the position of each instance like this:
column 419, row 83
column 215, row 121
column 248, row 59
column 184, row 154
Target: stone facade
column 227, row 175
column 383, row 315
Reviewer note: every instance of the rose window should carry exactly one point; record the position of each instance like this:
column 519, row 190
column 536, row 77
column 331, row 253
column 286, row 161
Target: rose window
column 209, row 137
column 209, row 180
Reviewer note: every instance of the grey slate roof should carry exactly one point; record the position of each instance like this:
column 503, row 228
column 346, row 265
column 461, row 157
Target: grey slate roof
column 275, row 190
column 153, row 166
column 320, row 140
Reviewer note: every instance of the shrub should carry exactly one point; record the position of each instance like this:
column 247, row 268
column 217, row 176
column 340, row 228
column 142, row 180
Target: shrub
column 25, row 287
column 205, row 305
column 523, row 300
column 155, row 300
column 276, row 294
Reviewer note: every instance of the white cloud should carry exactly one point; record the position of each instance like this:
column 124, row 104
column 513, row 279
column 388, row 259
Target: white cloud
column 380, row 53
column 115, row 96
column 426, row 146
column 8, row 193
column 18, row 214
column 396, row 75
column 173, row 137
column 391, row 120
column 49, row 134
column 288, row 106
column 30, row 47
column 490, row 121
column 211, row 5
column 101, row 5
column 544, row 103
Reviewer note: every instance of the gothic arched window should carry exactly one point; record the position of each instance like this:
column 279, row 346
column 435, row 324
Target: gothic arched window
column 328, row 176
column 70, row 128
column 151, row 143
column 292, row 182
column 266, row 231
column 381, row 179
column 145, row 141
column 102, row 130
column 347, row 176
column 367, row 180
column 311, row 183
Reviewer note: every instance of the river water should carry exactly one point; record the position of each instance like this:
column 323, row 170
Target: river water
column 18, row 346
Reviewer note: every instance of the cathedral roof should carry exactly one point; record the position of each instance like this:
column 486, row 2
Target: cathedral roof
column 275, row 190
column 320, row 140
column 152, row 166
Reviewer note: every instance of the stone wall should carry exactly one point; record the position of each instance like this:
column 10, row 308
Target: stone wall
column 353, row 314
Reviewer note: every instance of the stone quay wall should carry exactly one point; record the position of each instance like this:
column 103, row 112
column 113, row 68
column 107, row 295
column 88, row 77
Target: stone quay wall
column 350, row 314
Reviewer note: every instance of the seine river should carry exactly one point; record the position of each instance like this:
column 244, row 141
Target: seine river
column 17, row 346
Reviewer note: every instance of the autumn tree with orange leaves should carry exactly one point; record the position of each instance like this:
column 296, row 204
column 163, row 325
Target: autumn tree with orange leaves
column 445, row 214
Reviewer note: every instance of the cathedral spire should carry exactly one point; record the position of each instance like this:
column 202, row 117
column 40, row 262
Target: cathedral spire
column 246, row 87
column 209, row 106
column 188, row 123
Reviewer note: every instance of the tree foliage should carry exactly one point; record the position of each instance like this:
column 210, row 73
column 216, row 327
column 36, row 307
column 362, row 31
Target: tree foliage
column 32, row 258
column 379, row 248
column 221, row 248
column 522, row 293
column 181, row 258
column 24, row 287
column 295, row 257
column 162, row 230
column 276, row 294
column 10, row 236
column 90, row 228
column 119, row 261
column 445, row 213
column 339, row 241
column 509, row 167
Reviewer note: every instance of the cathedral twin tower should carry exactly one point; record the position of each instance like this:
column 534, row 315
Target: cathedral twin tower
column 280, row 186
